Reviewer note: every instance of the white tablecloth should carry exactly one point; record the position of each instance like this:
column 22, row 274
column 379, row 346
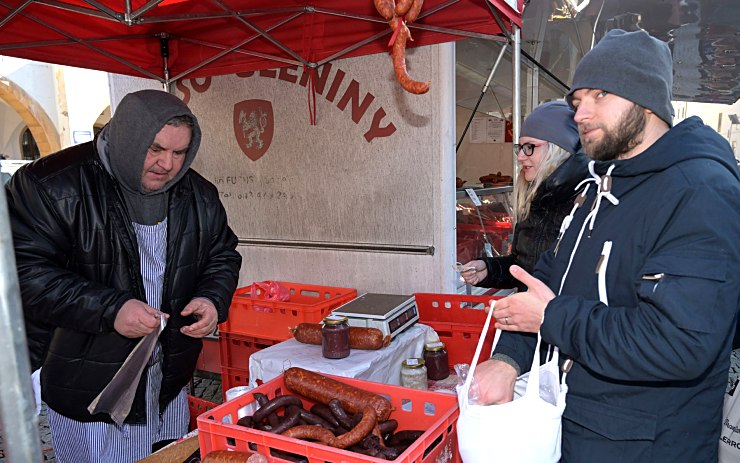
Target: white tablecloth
column 381, row 366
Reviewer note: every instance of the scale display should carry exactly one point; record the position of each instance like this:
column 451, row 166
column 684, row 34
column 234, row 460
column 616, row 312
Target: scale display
column 390, row 313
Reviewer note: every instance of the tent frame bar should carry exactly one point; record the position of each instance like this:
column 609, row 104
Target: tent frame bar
column 132, row 18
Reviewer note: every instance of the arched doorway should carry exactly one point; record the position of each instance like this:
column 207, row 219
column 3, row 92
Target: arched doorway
column 38, row 123
column 29, row 148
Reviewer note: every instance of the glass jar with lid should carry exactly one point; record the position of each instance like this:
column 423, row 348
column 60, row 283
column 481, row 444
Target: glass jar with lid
column 435, row 357
column 335, row 337
column 414, row 374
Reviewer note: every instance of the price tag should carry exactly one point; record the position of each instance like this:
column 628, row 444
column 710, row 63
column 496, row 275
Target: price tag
column 432, row 345
column 489, row 249
column 412, row 361
column 473, row 196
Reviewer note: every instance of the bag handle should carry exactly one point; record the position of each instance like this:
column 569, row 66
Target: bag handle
column 479, row 347
column 534, row 374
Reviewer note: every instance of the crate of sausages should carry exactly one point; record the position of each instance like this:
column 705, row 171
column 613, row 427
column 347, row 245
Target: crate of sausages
column 268, row 309
column 346, row 419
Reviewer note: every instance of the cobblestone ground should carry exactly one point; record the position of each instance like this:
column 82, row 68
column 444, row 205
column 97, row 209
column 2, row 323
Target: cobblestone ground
column 206, row 386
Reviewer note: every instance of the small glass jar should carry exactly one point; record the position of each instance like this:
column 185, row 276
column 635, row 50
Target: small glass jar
column 414, row 374
column 435, row 357
column 335, row 337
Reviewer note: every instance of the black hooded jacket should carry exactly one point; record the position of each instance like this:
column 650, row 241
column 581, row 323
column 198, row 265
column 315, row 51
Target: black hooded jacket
column 536, row 233
column 78, row 263
column 650, row 275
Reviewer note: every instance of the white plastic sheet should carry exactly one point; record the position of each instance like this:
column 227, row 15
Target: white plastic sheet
column 381, row 366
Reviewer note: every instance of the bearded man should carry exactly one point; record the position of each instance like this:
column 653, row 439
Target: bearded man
column 642, row 289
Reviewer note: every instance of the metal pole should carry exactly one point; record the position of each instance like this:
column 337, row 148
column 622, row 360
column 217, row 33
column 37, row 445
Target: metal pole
column 19, row 423
column 482, row 93
column 516, row 109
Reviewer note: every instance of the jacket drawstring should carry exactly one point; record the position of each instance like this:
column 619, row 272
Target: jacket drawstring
column 603, row 191
column 578, row 202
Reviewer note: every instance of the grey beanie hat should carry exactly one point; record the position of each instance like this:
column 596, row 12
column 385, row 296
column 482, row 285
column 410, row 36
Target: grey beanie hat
column 553, row 122
column 632, row 65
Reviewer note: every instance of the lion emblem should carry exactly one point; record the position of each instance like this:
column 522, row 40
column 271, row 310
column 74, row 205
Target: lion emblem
column 253, row 127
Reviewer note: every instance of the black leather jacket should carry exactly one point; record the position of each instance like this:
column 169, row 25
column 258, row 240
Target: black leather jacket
column 78, row 262
column 535, row 234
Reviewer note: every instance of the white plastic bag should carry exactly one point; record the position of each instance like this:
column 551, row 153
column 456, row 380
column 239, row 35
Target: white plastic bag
column 525, row 430
column 729, row 438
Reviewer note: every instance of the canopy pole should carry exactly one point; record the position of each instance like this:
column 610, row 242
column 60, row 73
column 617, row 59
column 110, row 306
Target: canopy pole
column 19, row 423
column 482, row 93
column 516, row 96
column 164, row 50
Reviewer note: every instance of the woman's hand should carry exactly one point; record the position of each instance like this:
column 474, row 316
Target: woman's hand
column 473, row 272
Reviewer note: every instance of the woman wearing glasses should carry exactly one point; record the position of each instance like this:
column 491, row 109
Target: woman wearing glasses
column 549, row 171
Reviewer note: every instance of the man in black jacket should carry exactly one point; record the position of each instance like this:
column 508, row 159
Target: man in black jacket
column 113, row 237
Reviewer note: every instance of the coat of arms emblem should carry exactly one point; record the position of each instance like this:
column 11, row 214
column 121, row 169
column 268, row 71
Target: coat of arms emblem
column 254, row 125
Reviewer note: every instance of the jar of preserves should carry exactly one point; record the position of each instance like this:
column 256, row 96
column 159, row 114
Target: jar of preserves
column 335, row 337
column 414, row 374
column 435, row 357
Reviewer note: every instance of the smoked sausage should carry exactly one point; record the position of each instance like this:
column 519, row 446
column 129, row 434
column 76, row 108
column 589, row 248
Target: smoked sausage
column 403, row 6
column 399, row 64
column 275, row 404
column 359, row 337
column 324, row 412
column 310, row 432
column 414, row 11
column 292, row 416
column 363, row 429
column 385, row 8
column 321, row 389
column 336, row 409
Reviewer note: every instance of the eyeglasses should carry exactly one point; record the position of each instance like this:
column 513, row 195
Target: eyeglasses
column 528, row 148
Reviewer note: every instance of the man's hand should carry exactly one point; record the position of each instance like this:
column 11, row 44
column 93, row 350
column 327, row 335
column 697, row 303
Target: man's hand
column 493, row 383
column 523, row 311
column 136, row 319
column 206, row 315
column 474, row 272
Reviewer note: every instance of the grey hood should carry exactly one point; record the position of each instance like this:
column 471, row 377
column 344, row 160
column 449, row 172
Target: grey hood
column 137, row 120
column 124, row 142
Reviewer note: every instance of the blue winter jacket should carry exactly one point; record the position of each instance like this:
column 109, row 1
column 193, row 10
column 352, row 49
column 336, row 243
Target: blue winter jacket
column 651, row 349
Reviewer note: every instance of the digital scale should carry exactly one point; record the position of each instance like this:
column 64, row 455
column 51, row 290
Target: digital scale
column 390, row 313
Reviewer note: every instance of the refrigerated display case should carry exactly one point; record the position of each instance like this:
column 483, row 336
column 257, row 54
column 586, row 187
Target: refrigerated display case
column 489, row 225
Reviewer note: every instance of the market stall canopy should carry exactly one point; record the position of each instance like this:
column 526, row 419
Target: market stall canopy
column 170, row 40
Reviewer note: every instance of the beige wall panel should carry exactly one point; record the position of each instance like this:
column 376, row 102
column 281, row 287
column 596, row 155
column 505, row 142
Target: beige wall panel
column 377, row 169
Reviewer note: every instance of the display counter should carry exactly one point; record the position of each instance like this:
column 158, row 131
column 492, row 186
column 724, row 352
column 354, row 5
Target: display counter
column 381, row 366
column 491, row 222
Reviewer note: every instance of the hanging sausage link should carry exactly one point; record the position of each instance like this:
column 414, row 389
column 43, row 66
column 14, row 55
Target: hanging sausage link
column 408, row 10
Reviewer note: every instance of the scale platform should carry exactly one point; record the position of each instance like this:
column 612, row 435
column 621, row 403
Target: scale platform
column 390, row 313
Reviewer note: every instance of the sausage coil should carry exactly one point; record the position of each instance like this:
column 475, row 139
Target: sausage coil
column 321, row 389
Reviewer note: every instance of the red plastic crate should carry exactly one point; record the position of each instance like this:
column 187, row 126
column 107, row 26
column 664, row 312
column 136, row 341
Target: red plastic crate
column 198, row 406
column 235, row 349
column 271, row 319
column 413, row 409
column 458, row 320
column 235, row 352
column 232, row 377
column 210, row 357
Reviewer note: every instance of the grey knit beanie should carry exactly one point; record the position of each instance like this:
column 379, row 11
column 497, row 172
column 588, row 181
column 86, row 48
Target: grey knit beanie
column 632, row 65
column 553, row 122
